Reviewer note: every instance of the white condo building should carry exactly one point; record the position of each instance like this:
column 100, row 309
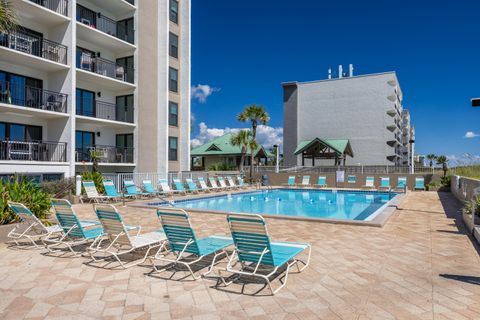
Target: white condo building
column 95, row 77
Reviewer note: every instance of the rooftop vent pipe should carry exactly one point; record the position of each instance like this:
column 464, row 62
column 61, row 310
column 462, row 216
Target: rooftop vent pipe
column 350, row 70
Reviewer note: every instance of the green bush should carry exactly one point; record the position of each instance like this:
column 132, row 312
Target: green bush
column 23, row 190
column 446, row 181
column 59, row 188
column 469, row 205
column 96, row 177
column 222, row 167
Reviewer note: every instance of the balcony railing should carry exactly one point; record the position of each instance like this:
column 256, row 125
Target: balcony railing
column 105, row 154
column 108, row 111
column 32, row 97
column 33, row 151
column 106, row 68
column 34, row 45
column 59, row 6
column 105, row 24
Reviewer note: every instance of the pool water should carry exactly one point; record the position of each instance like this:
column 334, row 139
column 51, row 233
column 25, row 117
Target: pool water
column 330, row 204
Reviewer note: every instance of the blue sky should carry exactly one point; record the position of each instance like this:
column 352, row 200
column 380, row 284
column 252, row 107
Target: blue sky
column 243, row 50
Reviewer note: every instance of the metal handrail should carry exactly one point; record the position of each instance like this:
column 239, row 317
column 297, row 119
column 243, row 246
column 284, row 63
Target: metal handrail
column 34, row 150
column 59, row 6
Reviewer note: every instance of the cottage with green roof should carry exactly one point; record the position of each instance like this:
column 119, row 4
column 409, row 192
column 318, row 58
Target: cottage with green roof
column 321, row 149
column 220, row 151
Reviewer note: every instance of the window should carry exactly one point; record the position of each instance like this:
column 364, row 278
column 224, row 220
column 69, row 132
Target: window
column 124, row 107
column 23, row 91
column 20, row 132
column 173, row 114
column 173, row 84
column 127, row 65
column 85, row 59
column 85, row 102
column 172, row 148
column 125, row 30
column 124, row 152
column 84, row 141
column 174, row 11
column 173, row 45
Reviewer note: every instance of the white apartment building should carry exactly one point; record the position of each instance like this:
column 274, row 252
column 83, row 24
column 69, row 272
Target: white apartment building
column 366, row 110
column 83, row 78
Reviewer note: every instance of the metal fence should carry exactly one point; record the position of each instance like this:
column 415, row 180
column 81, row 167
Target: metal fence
column 33, row 151
column 347, row 169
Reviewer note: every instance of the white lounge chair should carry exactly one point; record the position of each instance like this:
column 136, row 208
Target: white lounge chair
column 214, row 184
column 232, row 183
column 203, row 185
column 92, row 193
column 370, row 182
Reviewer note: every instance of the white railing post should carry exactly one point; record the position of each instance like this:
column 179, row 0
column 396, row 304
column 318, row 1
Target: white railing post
column 78, row 185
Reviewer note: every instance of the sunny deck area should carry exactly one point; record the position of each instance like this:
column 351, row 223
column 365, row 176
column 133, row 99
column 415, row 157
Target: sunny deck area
column 421, row 265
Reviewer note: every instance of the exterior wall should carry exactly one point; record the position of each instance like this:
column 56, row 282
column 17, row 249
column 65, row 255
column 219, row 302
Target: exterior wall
column 150, row 90
column 348, row 108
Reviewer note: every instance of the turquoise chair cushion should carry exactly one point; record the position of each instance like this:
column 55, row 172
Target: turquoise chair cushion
column 283, row 252
column 212, row 244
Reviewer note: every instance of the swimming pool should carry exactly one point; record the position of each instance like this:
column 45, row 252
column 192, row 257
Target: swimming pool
column 307, row 203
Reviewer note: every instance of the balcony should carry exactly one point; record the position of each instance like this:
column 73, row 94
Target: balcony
column 58, row 6
column 106, row 68
column 43, row 151
column 106, row 154
column 48, row 13
column 34, row 45
column 110, row 33
column 32, row 97
column 107, row 111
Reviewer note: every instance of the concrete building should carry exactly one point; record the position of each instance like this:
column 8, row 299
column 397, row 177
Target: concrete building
column 367, row 110
column 92, row 77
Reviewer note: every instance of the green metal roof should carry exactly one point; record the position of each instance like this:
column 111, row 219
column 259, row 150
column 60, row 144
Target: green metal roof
column 339, row 145
column 221, row 146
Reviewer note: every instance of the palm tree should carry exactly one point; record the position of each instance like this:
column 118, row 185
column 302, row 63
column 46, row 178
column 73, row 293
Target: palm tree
column 242, row 139
column 431, row 157
column 8, row 18
column 444, row 162
column 255, row 114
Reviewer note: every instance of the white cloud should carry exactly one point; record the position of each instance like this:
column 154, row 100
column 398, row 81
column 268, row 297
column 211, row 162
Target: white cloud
column 471, row 134
column 202, row 91
column 463, row 159
column 266, row 135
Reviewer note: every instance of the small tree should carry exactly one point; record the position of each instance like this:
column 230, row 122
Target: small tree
column 241, row 139
column 8, row 18
column 444, row 162
column 431, row 157
column 255, row 114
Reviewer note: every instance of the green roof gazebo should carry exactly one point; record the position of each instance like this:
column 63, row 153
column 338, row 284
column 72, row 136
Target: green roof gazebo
column 335, row 149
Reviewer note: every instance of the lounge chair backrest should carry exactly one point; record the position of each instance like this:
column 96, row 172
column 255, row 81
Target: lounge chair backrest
column 251, row 238
column 213, row 182
column 230, row 181
column 23, row 212
column 419, row 182
column 369, row 182
column 178, row 185
column 130, row 187
column 322, row 180
column 402, row 182
column 164, row 185
column 222, row 182
column 110, row 188
column 384, row 182
column 191, row 185
column 306, row 180
column 352, row 179
column 291, row 180
column 202, row 182
column 148, row 186
column 67, row 218
column 240, row 181
column 90, row 189
column 112, row 224
column 179, row 231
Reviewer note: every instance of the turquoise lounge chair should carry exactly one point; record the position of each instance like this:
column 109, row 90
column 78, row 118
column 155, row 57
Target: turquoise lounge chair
column 322, row 182
column 179, row 186
column 419, row 183
column 291, row 181
column 121, row 241
column 352, row 179
column 149, row 188
column 133, row 190
column 370, row 182
column 192, row 186
column 258, row 256
column 75, row 231
column 401, row 183
column 183, row 243
column 33, row 228
column 111, row 190
column 384, row 183
column 242, row 183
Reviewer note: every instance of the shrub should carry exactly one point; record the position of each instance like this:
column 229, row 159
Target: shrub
column 469, row 205
column 222, row 167
column 23, row 190
column 96, row 177
column 446, row 181
column 59, row 188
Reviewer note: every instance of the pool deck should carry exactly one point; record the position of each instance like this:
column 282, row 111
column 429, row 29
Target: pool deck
column 420, row 265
